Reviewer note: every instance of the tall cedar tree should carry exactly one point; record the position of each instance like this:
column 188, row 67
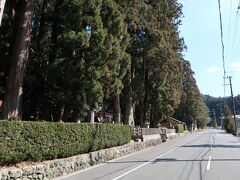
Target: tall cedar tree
column 152, row 84
column 192, row 108
column 13, row 101
column 79, row 61
column 81, row 58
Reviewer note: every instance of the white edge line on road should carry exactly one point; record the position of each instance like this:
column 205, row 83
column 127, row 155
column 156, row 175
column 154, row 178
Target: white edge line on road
column 98, row 165
column 209, row 163
column 144, row 164
column 152, row 160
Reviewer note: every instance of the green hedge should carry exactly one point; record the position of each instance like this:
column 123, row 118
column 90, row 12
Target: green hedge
column 38, row 141
column 179, row 128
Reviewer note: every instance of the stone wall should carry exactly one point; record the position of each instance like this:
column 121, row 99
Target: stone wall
column 151, row 131
column 151, row 137
column 60, row 167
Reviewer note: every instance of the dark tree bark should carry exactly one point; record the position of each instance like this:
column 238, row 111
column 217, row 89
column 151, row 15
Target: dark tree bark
column 129, row 104
column 62, row 113
column 65, row 114
column 13, row 102
column 144, row 104
column 142, row 112
column 55, row 30
column 41, row 31
column 116, row 109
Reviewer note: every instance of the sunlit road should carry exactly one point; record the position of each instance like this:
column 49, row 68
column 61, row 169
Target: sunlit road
column 207, row 155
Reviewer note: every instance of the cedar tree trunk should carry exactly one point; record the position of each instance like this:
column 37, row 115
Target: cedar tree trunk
column 13, row 102
column 129, row 118
column 92, row 117
column 116, row 109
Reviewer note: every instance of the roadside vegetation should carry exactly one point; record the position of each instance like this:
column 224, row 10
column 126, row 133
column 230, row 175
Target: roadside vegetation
column 72, row 58
column 39, row 141
column 228, row 121
column 221, row 110
column 179, row 128
column 87, row 61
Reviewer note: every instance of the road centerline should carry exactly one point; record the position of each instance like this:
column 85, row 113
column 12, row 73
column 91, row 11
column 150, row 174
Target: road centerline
column 209, row 163
column 210, row 156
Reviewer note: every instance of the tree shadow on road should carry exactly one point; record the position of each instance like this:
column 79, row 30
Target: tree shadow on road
column 209, row 145
column 167, row 160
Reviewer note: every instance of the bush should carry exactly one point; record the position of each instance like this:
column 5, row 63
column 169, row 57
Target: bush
column 229, row 125
column 38, row 141
column 179, row 128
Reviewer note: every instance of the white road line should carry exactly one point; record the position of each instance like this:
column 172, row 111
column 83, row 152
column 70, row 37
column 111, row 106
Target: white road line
column 144, row 164
column 210, row 157
column 209, row 163
column 152, row 160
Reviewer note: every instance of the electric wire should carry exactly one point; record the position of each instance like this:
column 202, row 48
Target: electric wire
column 238, row 42
column 222, row 42
column 235, row 43
column 234, row 39
column 229, row 28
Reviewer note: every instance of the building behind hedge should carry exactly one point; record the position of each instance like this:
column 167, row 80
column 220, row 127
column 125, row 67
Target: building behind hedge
column 171, row 123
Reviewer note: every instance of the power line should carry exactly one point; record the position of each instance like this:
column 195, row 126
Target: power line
column 229, row 28
column 223, row 55
column 234, row 35
column 237, row 48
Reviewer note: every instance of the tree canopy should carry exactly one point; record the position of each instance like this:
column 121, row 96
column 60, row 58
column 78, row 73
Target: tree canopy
column 118, row 55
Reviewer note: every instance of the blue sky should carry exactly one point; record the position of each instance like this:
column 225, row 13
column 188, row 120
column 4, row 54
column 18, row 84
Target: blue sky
column 201, row 31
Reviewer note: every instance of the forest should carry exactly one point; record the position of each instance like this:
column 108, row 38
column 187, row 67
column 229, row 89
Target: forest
column 217, row 106
column 70, row 60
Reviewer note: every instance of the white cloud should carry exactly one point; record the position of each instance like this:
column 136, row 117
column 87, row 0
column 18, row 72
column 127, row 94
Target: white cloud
column 235, row 66
column 213, row 69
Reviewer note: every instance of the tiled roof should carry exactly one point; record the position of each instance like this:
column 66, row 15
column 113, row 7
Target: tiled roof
column 177, row 120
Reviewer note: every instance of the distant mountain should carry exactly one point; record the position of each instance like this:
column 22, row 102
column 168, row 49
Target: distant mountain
column 215, row 105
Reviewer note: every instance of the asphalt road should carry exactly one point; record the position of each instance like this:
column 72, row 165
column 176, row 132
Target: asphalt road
column 207, row 155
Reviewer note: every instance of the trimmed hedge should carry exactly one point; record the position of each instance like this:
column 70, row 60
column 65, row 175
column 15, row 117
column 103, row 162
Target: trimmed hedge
column 179, row 128
column 38, row 141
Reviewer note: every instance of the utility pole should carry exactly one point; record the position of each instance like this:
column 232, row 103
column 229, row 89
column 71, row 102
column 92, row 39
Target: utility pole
column 221, row 111
column 234, row 109
column 214, row 118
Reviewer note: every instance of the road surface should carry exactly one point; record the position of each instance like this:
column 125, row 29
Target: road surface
column 207, row 155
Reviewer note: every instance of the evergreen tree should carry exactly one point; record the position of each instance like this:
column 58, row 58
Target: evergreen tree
column 155, row 47
column 229, row 124
column 13, row 101
column 84, row 59
column 192, row 108
column 89, row 53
